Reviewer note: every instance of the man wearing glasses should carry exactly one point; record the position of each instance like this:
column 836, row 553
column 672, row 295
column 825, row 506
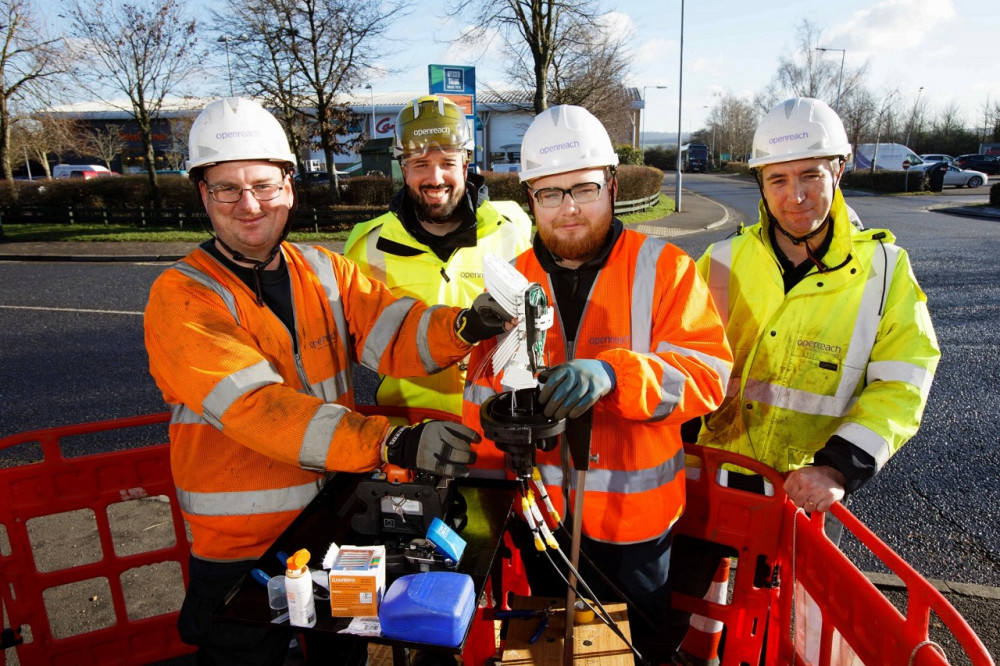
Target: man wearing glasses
column 252, row 341
column 637, row 338
column 431, row 243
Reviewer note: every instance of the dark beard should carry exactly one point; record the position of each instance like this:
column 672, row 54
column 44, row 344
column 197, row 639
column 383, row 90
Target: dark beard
column 437, row 213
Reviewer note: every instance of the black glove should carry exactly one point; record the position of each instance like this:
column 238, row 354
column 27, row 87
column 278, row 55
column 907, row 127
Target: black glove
column 440, row 447
column 483, row 320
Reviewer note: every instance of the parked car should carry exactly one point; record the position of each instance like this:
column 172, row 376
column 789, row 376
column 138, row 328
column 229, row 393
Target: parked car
column 964, row 177
column 85, row 171
column 937, row 157
column 312, row 177
column 985, row 163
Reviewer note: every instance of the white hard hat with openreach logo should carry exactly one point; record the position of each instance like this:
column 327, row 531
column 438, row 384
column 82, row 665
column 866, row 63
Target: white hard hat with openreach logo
column 564, row 138
column 800, row 128
column 234, row 129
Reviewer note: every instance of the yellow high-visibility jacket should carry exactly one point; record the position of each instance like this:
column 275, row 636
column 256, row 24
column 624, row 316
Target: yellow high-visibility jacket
column 387, row 252
column 255, row 427
column 848, row 353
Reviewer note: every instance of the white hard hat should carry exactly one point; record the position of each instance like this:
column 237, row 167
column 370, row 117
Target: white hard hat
column 564, row 138
column 234, row 129
column 799, row 128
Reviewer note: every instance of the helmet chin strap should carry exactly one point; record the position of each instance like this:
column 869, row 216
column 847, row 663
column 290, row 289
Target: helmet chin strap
column 802, row 240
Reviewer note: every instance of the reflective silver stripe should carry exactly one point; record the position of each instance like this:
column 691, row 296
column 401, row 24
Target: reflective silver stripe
column 671, row 388
column 796, row 400
column 722, row 475
column 867, row 440
column 231, row 388
column 211, row 283
column 334, row 387
column 477, row 394
column 376, row 257
column 319, row 433
column 384, row 330
column 718, row 278
column 643, row 286
column 321, row 266
column 900, row 371
column 714, row 362
column 248, row 502
column 424, row 344
column 182, row 415
column 620, row 481
column 869, row 310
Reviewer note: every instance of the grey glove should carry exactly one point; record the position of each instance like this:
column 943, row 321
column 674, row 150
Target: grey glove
column 440, row 447
column 484, row 320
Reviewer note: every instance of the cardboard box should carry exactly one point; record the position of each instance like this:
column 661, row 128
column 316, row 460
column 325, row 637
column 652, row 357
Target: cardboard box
column 357, row 581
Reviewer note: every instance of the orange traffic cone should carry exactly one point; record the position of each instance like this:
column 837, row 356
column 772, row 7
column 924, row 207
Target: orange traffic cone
column 701, row 643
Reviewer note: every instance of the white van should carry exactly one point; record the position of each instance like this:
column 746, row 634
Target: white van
column 888, row 156
column 85, row 171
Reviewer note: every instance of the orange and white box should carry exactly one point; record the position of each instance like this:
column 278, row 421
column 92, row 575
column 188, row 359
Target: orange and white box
column 357, row 581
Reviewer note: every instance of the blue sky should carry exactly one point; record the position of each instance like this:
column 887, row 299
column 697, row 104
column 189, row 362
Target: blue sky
column 948, row 47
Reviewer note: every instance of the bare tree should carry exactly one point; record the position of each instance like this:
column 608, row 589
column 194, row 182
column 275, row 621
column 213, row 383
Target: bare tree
column 588, row 69
column 177, row 150
column 40, row 134
column 28, row 59
column 105, row 142
column 734, row 121
column 543, row 27
column 146, row 51
column 309, row 53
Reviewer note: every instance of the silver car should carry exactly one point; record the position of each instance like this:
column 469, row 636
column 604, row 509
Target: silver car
column 964, row 177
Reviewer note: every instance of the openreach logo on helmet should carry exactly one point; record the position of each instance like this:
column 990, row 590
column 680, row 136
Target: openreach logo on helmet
column 558, row 146
column 789, row 137
column 238, row 134
column 431, row 130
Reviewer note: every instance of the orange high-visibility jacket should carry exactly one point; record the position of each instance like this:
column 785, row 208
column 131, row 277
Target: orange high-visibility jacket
column 255, row 428
column 651, row 317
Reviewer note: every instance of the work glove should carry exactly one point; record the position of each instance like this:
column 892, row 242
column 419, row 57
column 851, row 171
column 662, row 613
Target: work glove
column 439, row 447
column 483, row 320
column 571, row 388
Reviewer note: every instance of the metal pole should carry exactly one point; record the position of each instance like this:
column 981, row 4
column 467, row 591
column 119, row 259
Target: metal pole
column 372, row 92
column 913, row 117
column 27, row 164
column 840, row 81
column 680, row 99
column 229, row 68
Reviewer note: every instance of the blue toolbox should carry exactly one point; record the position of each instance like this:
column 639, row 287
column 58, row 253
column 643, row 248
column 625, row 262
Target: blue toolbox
column 434, row 607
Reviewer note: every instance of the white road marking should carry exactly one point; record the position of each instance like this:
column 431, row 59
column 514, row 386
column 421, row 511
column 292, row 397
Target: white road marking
column 33, row 307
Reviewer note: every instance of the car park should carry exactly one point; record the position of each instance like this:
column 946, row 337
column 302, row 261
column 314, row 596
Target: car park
column 986, row 163
column 937, row 157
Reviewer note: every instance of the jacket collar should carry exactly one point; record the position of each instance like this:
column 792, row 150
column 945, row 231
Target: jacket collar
column 476, row 194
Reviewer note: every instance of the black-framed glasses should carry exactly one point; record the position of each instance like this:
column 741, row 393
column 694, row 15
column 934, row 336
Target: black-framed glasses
column 552, row 197
column 260, row 192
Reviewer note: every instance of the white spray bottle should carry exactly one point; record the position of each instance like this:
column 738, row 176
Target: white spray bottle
column 298, row 587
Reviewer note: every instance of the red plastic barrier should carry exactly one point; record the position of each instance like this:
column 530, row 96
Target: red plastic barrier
column 56, row 485
column 851, row 621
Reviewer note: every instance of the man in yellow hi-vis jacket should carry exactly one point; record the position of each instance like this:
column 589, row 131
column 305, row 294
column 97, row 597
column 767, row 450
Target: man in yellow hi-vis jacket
column 833, row 346
column 430, row 245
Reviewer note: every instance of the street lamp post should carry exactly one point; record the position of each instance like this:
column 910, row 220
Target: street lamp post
column 712, row 158
column 840, row 81
column 371, row 91
column 913, row 116
column 229, row 68
column 680, row 99
column 642, row 139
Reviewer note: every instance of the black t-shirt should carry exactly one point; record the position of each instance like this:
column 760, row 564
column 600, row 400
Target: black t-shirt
column 275, row 286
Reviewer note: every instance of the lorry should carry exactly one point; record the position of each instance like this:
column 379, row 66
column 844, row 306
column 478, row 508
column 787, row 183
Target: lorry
column 697, row 158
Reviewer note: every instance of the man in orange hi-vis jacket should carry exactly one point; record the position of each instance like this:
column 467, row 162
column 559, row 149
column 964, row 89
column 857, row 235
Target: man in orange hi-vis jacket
column 637, row 338
column 252, row 341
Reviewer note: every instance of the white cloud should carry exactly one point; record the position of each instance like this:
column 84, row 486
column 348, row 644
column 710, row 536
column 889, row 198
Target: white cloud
column 892, row 25
column 653, row 51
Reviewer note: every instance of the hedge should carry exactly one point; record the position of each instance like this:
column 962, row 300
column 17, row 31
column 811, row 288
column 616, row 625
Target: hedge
column 995, row 194
column 132, row 192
